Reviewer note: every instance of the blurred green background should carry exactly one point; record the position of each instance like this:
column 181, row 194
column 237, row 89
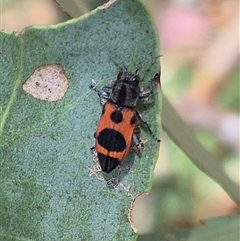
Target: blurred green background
column 200, row 76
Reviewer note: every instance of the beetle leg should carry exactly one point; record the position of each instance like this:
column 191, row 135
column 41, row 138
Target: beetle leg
column 104, row 93
column 137, row 144
column 147, row 126
column 107, row 89
column 145, row 94
column 148, row 93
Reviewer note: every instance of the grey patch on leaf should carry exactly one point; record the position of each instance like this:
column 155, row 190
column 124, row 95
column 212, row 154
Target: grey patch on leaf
column 48, row 82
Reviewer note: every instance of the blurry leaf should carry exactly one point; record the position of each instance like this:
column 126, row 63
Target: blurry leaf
column 185, row 139
column 229, row 97
column 46, row 190
column 76, row 8
column 216, row 229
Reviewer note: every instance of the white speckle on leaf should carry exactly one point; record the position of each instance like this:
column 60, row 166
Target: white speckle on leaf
column 48, row 82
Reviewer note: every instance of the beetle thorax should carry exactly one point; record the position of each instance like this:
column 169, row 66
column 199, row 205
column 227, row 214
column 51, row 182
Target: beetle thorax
column 126, row 90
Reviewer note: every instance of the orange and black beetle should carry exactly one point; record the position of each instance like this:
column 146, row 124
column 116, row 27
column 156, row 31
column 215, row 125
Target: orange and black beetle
column 119, row 120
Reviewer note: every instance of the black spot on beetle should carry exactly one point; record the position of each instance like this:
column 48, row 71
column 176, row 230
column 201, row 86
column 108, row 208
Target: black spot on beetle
column 111, row 140
column 133, row 120
column 116, row 116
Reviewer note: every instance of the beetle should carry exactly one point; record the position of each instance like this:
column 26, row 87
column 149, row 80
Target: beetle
column 118, row 128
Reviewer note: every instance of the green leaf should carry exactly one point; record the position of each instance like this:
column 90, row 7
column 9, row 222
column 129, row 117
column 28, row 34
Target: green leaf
column 47, row 191
column 183, row 137
column 215, row 229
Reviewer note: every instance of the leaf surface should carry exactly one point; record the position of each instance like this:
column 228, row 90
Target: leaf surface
column 47, row 191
